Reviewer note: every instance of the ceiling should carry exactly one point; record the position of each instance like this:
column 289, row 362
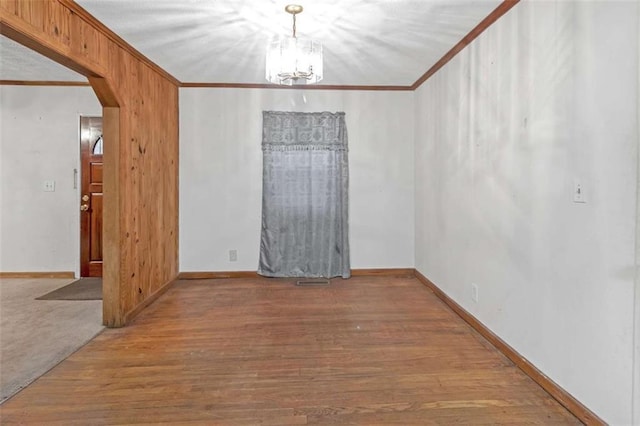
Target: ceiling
column 365, row 42
column 23, row 64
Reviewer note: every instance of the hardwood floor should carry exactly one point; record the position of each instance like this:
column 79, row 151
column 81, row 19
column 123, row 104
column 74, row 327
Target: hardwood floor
column 369, row 350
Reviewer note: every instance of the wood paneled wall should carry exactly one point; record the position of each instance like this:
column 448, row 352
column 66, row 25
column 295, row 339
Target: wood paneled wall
column 141, row 146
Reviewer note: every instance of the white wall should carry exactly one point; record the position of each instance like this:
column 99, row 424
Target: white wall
column 636, row 360
column 40, row 231
column 221, row 173
column 546, row 95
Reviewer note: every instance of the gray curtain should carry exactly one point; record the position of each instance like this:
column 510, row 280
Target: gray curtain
column 304, row 195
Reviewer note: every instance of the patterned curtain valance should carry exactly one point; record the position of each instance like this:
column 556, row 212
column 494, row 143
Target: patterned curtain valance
column 303, row 131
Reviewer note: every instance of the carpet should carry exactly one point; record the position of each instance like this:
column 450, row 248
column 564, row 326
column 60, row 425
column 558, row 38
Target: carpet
column 35, row 335
column 82, row 289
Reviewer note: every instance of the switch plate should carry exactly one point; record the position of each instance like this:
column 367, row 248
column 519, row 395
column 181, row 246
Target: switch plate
column 233, row 255
column 49, row 186
column 579, row 195
column 474, row 292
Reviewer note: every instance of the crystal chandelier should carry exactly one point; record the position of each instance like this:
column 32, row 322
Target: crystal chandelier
column 293, row 60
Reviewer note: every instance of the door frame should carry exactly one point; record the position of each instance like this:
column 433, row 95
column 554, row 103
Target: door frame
column 140, row 103
column 12, row 27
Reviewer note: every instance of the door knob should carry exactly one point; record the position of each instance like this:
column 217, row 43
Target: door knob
column 84, row 207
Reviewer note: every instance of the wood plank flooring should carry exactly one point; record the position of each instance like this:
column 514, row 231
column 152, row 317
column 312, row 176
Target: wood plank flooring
column 369, row 350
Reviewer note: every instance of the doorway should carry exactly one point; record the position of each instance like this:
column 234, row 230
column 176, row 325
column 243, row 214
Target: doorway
column 91, row 163
column 154, row 126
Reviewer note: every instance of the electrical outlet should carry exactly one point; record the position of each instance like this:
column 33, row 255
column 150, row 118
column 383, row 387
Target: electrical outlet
column 49, row 186
column 233, row 255
column 474, row 292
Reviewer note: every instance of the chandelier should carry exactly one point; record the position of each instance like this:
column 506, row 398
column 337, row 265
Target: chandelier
column 294, row 60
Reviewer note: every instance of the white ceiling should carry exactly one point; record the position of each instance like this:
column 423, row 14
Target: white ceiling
column 23, row 64
column 366, row 42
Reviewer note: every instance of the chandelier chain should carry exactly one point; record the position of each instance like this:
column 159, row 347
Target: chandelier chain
column 294, row 25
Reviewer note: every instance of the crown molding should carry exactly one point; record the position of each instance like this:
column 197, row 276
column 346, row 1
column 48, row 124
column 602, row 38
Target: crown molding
column 296, row 87
column 503, row 8
column 42, row 83
column 496, row 14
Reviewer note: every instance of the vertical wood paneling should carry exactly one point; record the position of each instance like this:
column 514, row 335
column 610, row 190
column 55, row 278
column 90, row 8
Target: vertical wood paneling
column 141, row 146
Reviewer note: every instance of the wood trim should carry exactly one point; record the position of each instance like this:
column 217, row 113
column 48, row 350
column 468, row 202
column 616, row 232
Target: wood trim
column 148, row 301
column 383, row 272
column 111, row 263
column 212, row 275
column 42, row 83
column 503, row 8
column 299, row 87
column 54, row 274
column 105, row 93
column 115, row 38
column 562, row 396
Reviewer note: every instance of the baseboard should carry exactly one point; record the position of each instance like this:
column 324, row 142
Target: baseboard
column 558, row 393
column 148, row 301
column 54, row 274
column 383, row 272
column 213, row 275
column 208, row 275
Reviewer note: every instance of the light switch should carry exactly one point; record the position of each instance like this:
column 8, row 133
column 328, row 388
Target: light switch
column 49, row 186
column 579, row 195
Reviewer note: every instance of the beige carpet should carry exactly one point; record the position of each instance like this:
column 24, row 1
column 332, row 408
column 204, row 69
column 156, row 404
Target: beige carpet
column 35, row 335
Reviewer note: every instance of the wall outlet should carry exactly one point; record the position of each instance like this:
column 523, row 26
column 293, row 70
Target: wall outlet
column 474, row 292
column 49, row 186
column 233, row 255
